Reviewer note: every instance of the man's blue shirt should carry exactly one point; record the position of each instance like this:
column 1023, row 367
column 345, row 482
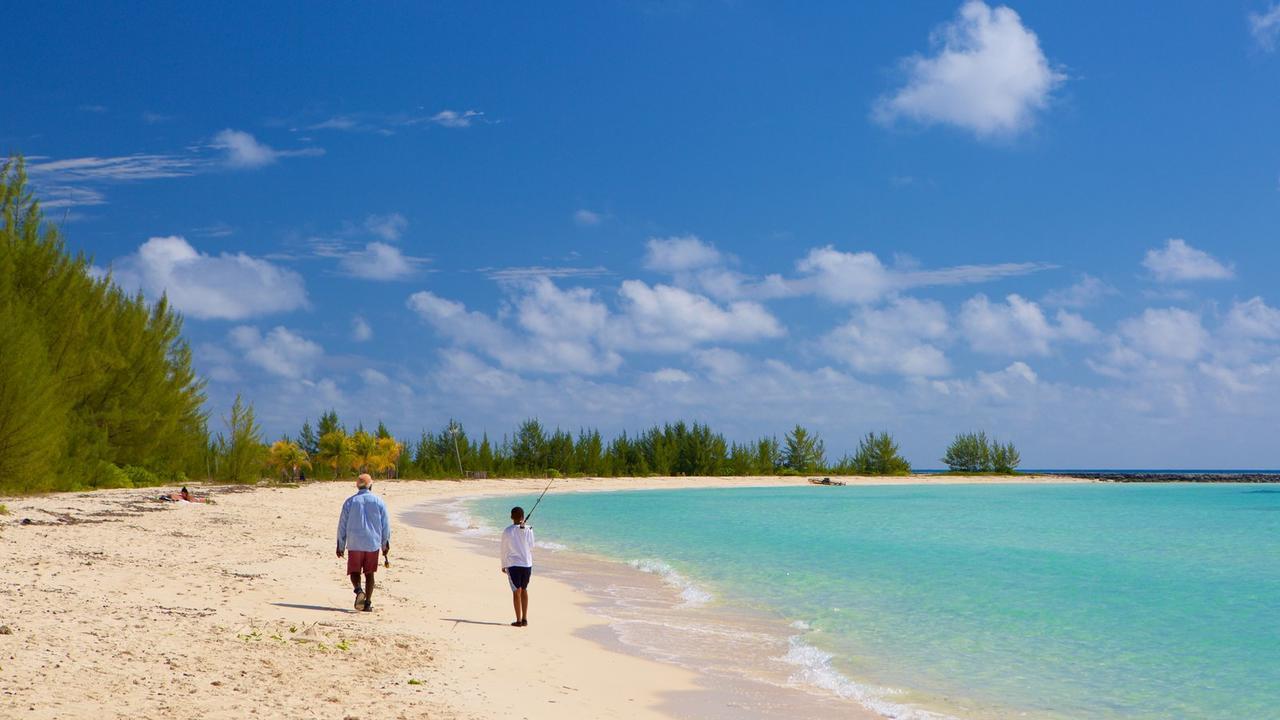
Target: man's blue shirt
column 364, row 524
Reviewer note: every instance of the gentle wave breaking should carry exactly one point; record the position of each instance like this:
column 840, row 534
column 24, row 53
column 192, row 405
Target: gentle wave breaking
column 690, row 593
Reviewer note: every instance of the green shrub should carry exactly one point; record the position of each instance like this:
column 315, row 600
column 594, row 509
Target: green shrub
column 106, row 476
column 3, row 510
column 877, row 454
column 142, row 477
column 974, row 453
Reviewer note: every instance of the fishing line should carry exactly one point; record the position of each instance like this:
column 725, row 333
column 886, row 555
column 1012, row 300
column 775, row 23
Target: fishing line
column 529, row 517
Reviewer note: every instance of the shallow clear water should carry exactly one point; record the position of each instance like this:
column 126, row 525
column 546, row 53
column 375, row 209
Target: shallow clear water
column 1100, row 601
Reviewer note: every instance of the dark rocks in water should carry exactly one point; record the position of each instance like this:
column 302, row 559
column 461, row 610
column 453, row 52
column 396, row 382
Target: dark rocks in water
column 1156, row 477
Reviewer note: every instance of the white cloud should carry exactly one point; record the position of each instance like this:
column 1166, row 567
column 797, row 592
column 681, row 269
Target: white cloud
column 549, row 329
column 663, row 318
column 389, row 227
column 455, row 119
column 587, row 218
column 509, row 274
column 1178, row 261
column 989, row 76
column 378, row 261
column 373, row 377
column 900, row 338
column 1087, row 291
column 682, row 253
column 280, row 352
column 360, row 329
column 1017, row 382
column 860, row 277
column 670, row 375
column 1018, row 326
column 1265, row 27
column 243, row 150
column 140, row 166
column 722, row 364
column 1253, row 319
column 1170, row 333
column 557, row 330
column 224, row 287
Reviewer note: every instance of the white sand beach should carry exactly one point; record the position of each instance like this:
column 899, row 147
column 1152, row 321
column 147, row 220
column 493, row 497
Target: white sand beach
column 122, row 606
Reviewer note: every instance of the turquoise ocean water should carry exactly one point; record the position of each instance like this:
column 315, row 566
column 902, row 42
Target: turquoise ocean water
column 1039, row 601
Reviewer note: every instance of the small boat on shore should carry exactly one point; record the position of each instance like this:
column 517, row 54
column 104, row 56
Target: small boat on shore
column 825, row 481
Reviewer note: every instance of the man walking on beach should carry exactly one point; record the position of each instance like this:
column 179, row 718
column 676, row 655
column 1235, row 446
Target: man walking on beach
column 363, row 530
column 517, row 563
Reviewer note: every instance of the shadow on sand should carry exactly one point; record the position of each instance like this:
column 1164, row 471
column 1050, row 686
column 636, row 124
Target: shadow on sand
column 455, row 622
column 328, row 608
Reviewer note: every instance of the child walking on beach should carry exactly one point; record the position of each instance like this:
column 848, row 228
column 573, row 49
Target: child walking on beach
column 517, row 563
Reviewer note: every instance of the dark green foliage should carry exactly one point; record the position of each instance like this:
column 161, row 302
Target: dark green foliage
column 106, row 476
column 1004, row 458
column 88, row 374
column 877, row 454
column 974, row 452
column 308, row 440
column 141, row 477
column 242, row 453
column 804, row 452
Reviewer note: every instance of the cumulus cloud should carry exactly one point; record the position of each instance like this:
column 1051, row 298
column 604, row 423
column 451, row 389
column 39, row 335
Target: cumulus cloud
column 360, row 329
column 1169, row 333
column 1253, row 319
column 680, row 254
column 1178, row 261
column 988, row 76
column 1265, row 27
column 1087, row 291
column 243, row 150
column 546, row 328
column 557, row 331
column 901, row 338
column 1018, row 326
column 222, row 287
column 280, row 352
column 378, row 261
column 667, row 318
column 670, row 375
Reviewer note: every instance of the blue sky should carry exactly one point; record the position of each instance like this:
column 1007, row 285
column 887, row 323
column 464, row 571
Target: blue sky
column 1053, row 221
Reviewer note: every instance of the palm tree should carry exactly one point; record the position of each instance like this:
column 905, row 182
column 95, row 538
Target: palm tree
column 364, row 448
column 386, row 455
column 335, row 451
column 286, row 457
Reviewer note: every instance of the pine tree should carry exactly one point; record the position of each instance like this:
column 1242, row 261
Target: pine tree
column 244, row 455
column 124, row 391
column 877, row 454
column 308, row 440
column 804, row 452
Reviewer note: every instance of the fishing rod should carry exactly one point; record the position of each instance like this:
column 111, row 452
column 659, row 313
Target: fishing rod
column 539, row 500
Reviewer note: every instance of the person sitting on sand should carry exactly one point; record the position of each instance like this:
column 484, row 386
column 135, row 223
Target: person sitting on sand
column 517, row 563
column 363, row 530
column 183, row 496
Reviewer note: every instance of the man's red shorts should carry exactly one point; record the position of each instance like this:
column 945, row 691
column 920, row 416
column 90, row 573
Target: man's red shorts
column 362, row 561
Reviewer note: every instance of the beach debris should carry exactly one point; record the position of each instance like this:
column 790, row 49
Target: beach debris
column 6, row 630
column 825, row 481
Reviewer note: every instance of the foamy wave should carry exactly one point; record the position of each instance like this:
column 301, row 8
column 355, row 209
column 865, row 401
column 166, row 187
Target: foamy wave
column 690, row 593
column 552, row 546
column 802, row 625
column 814, row 668
column 456, row 515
